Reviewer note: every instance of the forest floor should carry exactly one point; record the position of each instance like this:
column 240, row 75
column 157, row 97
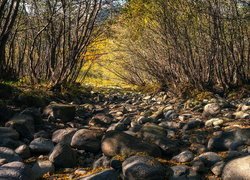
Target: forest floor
column 81, row 133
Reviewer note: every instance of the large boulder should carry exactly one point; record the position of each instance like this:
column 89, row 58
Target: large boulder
column 237, row 169
column 9, row 155
column 89, row 140
column 63, row 156
column 63, row 135
column 16, row 170
column 63, row 112
column 144, row 167
column 6, row 132
column 41, row 145
column 120, row 143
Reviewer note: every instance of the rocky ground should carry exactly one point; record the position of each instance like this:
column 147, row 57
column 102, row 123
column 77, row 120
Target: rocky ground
column 125, row 136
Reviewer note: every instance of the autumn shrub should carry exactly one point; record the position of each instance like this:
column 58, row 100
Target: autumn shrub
column 199, row 44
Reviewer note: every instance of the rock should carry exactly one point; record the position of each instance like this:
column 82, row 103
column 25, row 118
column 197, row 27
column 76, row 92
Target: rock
column 243, row 135
column 217, row 168
column 41, row 145
column 229, row 140
column 241, row 115
column 198, row 148
column 152, row 131
column 16, row 170
column 157, row 135
column 144, row 167
column 171, row 125
column 89, row 140
column 209, row 158
column 103, row 161
column 40, row 168
column 120, row 143
column 157, row 115
column 171, row 133
column 9, row 143
column 234, row 154
column 9, row 155
column 6, row 132
column 192, row 124
column 100, row 120
column 23, row 151
column 117, row 127
column 147, row 98
column 135, row 127
column 211, row 110
column 23, row 124
column 193, row 176
column 109, row 174
column 35, row 114
column 126, row 121
column 221, row 142
column 63, row 135
column 143, row 120
column 170, row 115
column 63, row 112
column 244, row 107
column 116, row 164
column 180, row 170
column 185, row 156
column 198, row 166
column 237, row 169
column 184, row 117
column 63, row 156
column 42, row 134
column 3, row 161
column 214, row 122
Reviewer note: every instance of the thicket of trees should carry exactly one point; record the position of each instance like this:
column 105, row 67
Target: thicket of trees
column 203, row 44
column 46, row 40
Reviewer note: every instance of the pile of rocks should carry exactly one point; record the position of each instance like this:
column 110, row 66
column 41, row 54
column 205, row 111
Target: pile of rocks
column 129, row 136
